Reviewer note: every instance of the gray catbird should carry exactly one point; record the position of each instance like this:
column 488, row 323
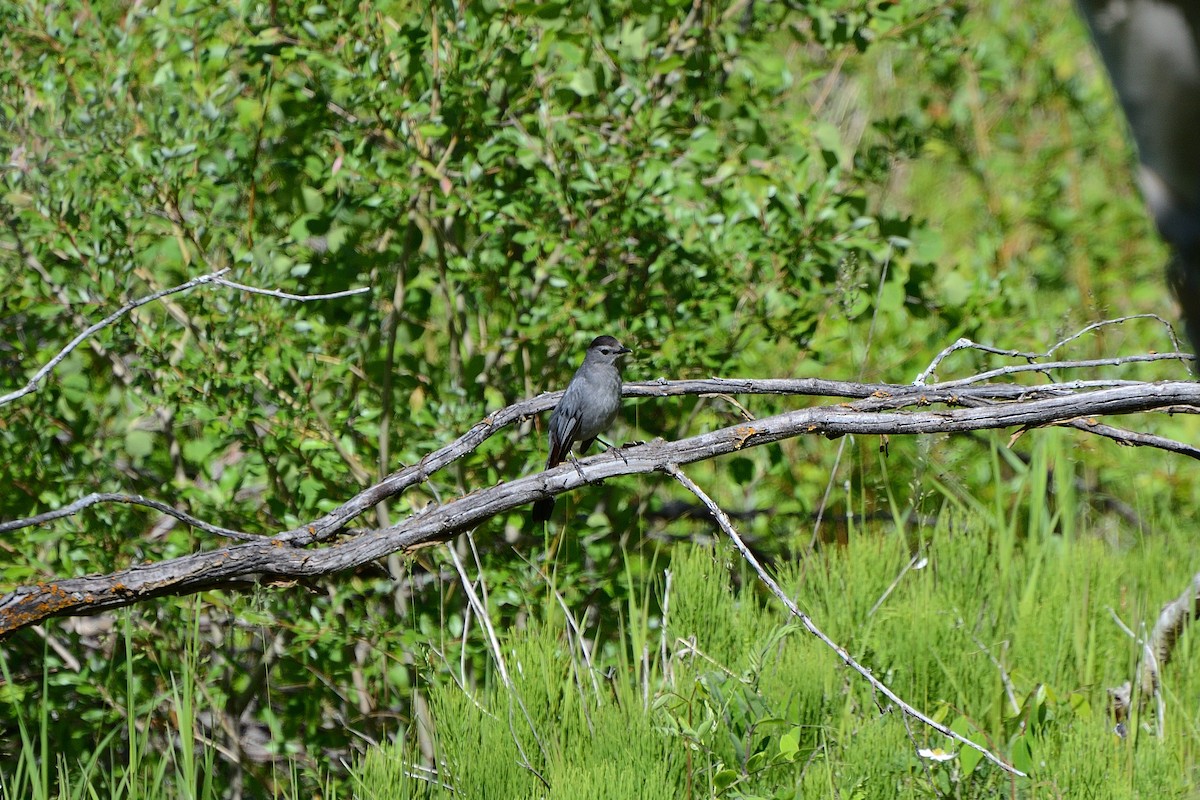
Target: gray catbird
column 586, row 409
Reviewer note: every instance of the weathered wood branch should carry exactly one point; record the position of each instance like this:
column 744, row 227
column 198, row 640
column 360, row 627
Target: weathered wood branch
column 1156, row 652
column 305, row 553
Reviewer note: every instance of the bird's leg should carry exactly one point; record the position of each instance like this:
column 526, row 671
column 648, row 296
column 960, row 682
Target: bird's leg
column 575, row 463
column 613, row 449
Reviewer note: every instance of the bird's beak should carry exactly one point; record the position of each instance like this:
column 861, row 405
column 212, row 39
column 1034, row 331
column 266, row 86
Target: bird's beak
column 624, row 350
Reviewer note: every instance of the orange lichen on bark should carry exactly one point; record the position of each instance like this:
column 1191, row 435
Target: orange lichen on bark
column 743, row 434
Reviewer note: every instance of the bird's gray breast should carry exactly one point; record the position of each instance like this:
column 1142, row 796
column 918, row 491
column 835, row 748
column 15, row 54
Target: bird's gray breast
column 597, row 399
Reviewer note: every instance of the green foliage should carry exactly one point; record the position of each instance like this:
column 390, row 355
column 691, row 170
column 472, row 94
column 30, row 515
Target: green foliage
column 747, row 704
column 746, row 189
column 558, row 731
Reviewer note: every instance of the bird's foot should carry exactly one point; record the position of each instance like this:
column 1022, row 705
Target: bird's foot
column 617, row 451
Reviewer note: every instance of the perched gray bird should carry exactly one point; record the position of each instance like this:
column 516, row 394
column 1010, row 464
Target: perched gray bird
column 586, row 409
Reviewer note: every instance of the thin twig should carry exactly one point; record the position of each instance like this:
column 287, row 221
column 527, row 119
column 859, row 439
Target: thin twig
column 879, row 686
column 1004, row 677
column 485, row 619
column 1090, row 425
column 494, row 643
column 1121, row 624
column 129, row 499
column 967, row 344
column 1135, row 438
column 1175, row 344
column 304, row 298
column 1114, row 361
column 58, row 647
column 575, row 632
column 912, row 564
column 31, row 386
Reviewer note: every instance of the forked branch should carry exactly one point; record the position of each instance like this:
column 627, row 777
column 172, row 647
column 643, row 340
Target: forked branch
column 306, row 553
column 311, row 551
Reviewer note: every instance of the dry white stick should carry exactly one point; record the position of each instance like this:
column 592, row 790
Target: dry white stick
column 1046, row 366
column 967, row 344
column 481, row 611
column 666, row 618
column 289, row 296
column 485, row 620
column 212, row 277
column 727, row 526
column 964, row 344
column 1004, row 677
column 912, row 564
column 130, row 499
column 31, row 386
column 1170, row 329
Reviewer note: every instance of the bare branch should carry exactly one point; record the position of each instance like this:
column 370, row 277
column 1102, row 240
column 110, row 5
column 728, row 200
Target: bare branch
column 291, row 555
column 1135, row 438
column 212, row 277
column 130, row 499
column 1049, row 365
column 806, row 621
column 967, row 344
column 1118, row 435
column 1170, row 331
column 31, row 386
column 875, row 397
column 289, row 296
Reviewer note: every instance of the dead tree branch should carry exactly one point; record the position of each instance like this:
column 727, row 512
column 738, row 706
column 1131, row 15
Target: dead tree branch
column 31, row 385
column 966, row 344
column 96, row 498
column 303, row 298
column 1156, row 652
column 211, row 278
column 295, row 554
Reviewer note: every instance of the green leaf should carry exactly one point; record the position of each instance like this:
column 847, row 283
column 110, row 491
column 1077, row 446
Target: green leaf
column 724, row 779
column 314, row 201
column 789, row 744
column 1022, row 754
column 583, row 83
column 968, row 757
column 139, row 443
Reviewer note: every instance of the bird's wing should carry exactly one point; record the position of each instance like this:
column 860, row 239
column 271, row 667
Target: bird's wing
column 563, row 429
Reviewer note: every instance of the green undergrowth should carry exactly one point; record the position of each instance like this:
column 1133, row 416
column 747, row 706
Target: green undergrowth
column 1003, row 618
column 1005, row 633
column 140, row 758
column 1011, row 642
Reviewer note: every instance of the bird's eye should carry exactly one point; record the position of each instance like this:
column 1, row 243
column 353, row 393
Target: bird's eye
column 604, row 350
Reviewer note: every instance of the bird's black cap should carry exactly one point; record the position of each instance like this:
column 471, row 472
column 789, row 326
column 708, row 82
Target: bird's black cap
column 608, row 341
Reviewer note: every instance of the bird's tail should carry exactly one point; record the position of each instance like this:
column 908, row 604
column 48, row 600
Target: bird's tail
column 542, row 509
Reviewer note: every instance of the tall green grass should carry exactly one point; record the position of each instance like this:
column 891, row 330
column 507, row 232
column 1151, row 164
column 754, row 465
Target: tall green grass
column 158, row 751
column 997, row 621
column 998, row 618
